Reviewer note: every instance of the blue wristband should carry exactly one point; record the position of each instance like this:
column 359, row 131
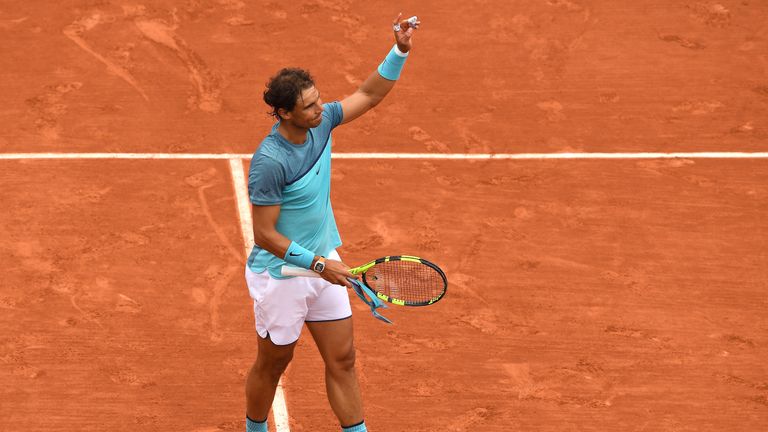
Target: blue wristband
column 299, row 256
column 392, row 65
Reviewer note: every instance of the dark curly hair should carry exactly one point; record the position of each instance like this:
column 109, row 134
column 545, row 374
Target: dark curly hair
column 284, row 89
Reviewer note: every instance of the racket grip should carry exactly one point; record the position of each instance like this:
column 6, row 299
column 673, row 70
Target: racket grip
column 297, row 271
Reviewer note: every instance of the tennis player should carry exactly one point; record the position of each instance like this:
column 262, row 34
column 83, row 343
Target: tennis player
column 293, row 224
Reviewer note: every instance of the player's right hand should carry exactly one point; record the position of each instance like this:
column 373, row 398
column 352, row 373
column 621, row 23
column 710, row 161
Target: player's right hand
column 336, row 272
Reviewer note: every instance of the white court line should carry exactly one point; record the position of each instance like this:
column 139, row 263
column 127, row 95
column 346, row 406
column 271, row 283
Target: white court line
column 443, row 156
column 241, row 195
column 279, row 408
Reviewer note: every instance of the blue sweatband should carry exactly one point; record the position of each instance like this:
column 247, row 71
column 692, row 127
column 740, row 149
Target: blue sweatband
column 393, row 63
column 299, row 256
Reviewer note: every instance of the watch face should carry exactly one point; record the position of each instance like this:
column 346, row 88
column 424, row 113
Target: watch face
column 319, row 266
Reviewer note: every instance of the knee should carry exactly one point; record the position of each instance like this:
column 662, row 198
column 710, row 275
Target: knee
column 273, row 366
column 343, row 361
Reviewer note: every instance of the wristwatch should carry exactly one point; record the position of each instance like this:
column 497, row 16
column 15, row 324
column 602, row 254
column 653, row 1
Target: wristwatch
column 319, row 265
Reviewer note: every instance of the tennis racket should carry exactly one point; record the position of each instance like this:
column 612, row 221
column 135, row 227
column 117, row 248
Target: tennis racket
column 398, row 279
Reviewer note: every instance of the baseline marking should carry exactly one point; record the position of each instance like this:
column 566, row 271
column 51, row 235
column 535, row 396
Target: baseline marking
column 446, row 156
column 279, row 408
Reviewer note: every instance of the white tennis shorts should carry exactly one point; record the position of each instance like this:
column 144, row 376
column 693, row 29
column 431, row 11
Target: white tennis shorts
column 282, row 306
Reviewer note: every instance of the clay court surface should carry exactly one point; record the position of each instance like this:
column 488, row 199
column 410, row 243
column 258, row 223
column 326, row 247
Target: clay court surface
column 585, row 295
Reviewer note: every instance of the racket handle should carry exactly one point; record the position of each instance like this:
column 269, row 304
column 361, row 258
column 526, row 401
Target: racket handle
column 297, row 271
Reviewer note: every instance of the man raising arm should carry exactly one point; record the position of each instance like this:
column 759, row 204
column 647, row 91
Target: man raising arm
column 293, row 224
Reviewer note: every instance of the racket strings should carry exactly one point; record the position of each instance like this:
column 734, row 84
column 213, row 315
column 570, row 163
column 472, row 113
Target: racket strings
column 412, row 282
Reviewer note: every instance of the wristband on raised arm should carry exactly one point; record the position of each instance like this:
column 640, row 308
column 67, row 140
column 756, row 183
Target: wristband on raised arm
column 393, row 63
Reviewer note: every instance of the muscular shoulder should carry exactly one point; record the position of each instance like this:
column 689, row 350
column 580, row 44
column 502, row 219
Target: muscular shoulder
column 270, row 148
column 262, row 162
column 266, row 179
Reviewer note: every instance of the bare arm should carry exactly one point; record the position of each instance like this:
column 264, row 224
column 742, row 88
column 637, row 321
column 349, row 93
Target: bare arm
column 268, row 238
column 376, row 87
column 366, row 97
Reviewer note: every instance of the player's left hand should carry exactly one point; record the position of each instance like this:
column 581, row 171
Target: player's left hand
column 404, row 31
